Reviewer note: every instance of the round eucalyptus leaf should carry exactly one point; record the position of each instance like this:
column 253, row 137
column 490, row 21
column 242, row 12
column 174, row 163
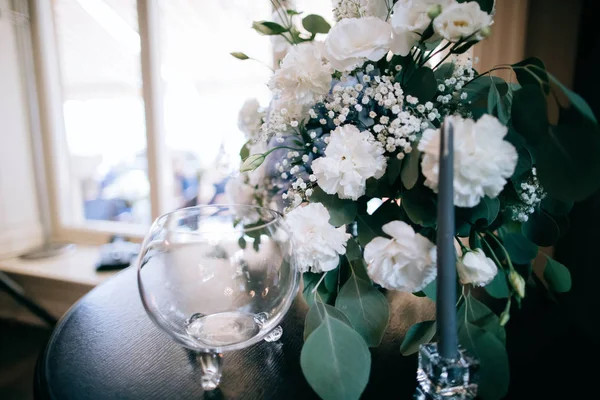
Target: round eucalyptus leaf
column 410, row 169
column 422, row 84
column 520, row 249
column 316, row 315
column 366, row 308
column 498, row 287
column 315, row 24
column 418, row 334
column 557, row 276
column 556, row 207
column 420, row 206
column 541, row 229
column 341, row 212
column 336, row 361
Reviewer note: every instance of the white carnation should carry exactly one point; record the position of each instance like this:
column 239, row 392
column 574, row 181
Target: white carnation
column 351, row 157
column 461, row 20
column 406, row 262
column 352, row 41
column 360, row 8
column 250, row 118
column 318, row 244
column 303, row 77
column 475, row 268
column 409, row 20
column 483, row 160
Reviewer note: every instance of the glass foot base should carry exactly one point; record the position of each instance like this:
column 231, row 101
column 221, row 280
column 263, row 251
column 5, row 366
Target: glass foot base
column 275, row 334
column 211, row 365
column 444, row 379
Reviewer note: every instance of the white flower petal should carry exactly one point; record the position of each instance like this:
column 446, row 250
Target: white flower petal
column 475, row 268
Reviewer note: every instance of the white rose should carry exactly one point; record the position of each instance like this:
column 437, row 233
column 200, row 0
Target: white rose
column 483, row 160
column 461, row 20
column 409, row 20
column 303, row 77
column 354, row 40
column 475, row 268
column 250, row 118
column 318, row 244
column 360, row 8
column 406, row 262
column 351, row 157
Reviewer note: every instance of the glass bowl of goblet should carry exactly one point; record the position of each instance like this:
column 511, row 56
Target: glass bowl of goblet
column 218, row 278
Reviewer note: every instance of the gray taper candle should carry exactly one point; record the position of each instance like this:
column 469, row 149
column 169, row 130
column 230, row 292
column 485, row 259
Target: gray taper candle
column 446, row 256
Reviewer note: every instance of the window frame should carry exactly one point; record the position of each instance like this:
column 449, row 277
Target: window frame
column 58, row 193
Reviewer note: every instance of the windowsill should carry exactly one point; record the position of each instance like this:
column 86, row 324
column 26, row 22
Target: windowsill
column 56, row 283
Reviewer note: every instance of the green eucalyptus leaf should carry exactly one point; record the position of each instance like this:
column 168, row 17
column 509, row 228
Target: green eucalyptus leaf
column 316, row 315
column 293, row 12
column 520, row 249
column 244, row 151
column 268, row 28
column 444, row 71
column 336, row 361
column 242, row 243
column 341, row 211
column 331, row 280
column 357, row 262
column 498, row 287
column 524, row 163
column 555, row 206
column 494, row 373
column 410, row 168
column 532, row 71
column 576, row 101
column 479, row 315
column 366, row 308
column 431, row 291
column 315, row 24
column 422, row 84
column 479, row 88
column 530, row 114
column 393, row 169
column 310, row 282
column 418, row 334
column 420, row 206
column 369, row 226
column 239, row 55
column 557, row 276
column 541, row 229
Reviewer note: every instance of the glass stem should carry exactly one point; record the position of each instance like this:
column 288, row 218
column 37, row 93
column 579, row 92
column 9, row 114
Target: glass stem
column 211, row 365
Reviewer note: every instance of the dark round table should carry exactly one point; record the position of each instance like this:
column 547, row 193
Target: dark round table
column 106, row 347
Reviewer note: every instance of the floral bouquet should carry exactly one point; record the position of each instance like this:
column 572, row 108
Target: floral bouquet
column 349, row 148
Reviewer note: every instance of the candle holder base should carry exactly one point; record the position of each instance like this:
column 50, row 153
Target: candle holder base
column 442, row 378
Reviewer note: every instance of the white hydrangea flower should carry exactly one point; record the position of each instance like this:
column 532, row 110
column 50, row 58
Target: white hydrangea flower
column 475, row 268
column 317, row 242
column 352, row 41
column 351, row 157
column 409, row 20
column 461, row 20
column 360, row 8
column 483, row 160
column 406, row 262
column 303, row 77
column 250, row 118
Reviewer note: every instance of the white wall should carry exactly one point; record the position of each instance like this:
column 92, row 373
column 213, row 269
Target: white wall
column 20, row 226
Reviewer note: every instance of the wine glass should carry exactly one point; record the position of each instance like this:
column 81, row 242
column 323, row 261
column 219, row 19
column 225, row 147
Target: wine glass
column 218, row 278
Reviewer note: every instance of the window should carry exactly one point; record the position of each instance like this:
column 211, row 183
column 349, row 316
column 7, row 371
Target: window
column 140, row 102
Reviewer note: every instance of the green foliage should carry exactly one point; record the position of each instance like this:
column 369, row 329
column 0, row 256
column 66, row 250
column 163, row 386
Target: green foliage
column 315, row 24
column 499, row 105
column 555, row 206
column 316, row 315
column 481, row 334
column 444, row 71
column 557, row 276
column 366, row 308
column 239, row 55
column 519, row 248
column 420, row 206
column 565, row 153
column 418, row 334
column 356, row 260
column 369, row 226
column 341, row 212
column 422, row 84
column 310, row 281
column 498, row 287
column 244, row 151
column 393, row 169
column 336, row 361
column 431, row 291
column 410, row 169
column 541, row 229
column 268, row 28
